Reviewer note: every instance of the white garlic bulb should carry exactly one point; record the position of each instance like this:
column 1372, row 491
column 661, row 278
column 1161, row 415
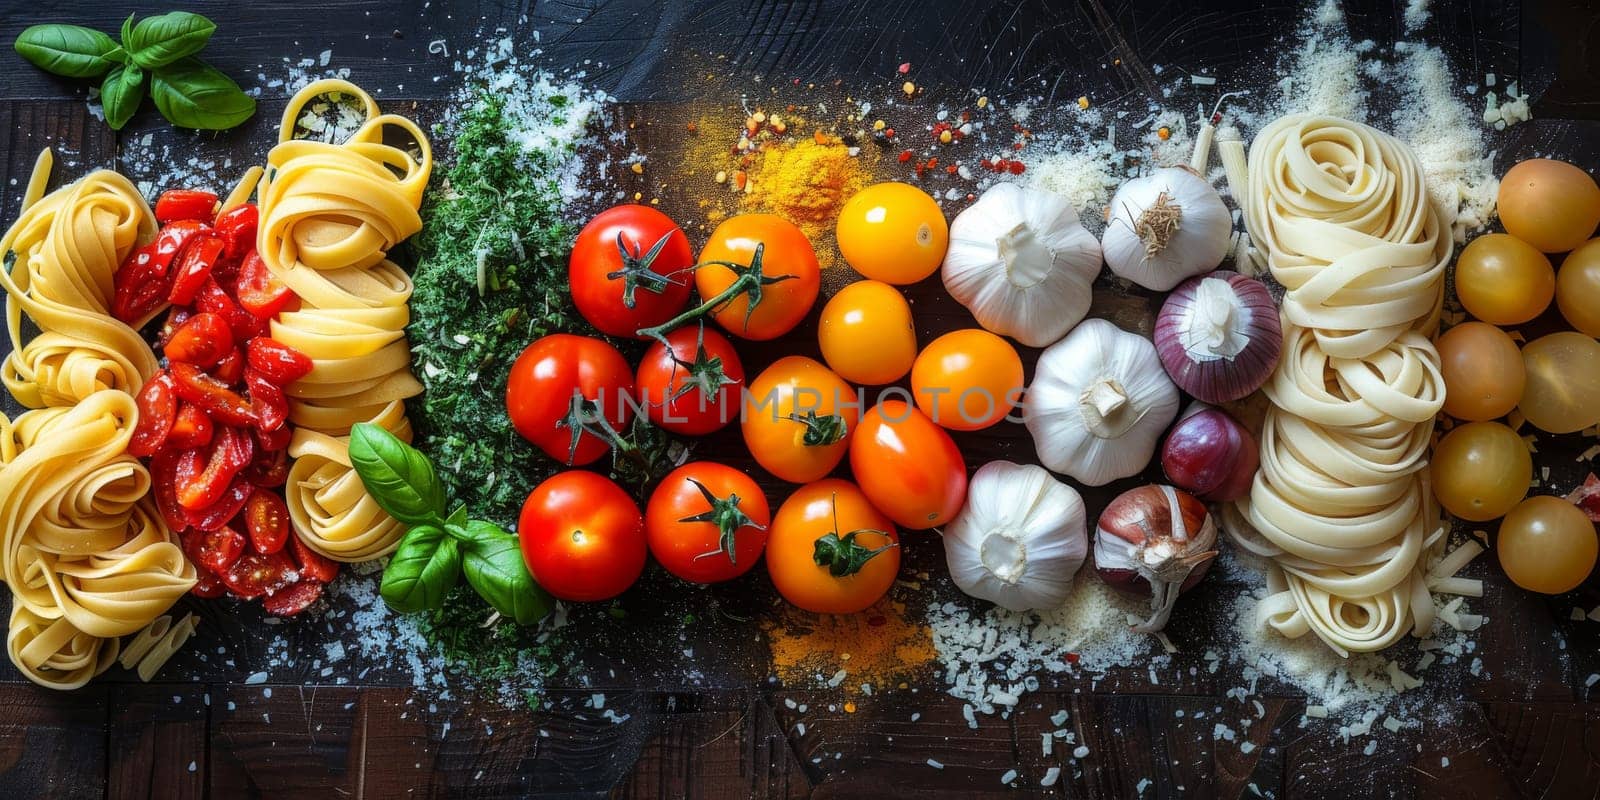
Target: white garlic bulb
column 1021, row 262
column 1098, row 403
column 1020, row 538
column 1166, row 226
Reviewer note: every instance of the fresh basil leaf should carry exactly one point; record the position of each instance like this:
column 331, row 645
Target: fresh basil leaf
column 422, row 570
column 193, row 94
column 70, row 50
column 127, row 30
column 117, row 55
column 160, row 40
column 121, row 94
column 494, row 568
column 399, row 478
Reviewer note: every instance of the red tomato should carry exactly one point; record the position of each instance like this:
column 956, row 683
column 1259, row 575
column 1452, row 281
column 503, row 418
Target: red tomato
column 209, row 586
column 216, row 550
column 293, row 599
column 193, row 267
column 255, row 574
column 237, row 228
column 582, row 536
column 191, row 428
column 558, row 391
column 175, row 204
column 225, row 509
column 266, row 517
column 707, row 522
column 630, row 268
column 202, row 341
column 231, row 450
column 230, row 369
column 267, row 401
column 260, row 292
column 281, row 363
column 158, row 404
column 907, row 466
column 693, row 387
column 313, row 564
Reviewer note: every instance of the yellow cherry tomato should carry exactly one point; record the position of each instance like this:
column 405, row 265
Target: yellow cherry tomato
column 893, row 232
column 1549, row 204
column 1482, row 370
column 1503, row 280
column 866, row 334
column 1481, row 470
column 798, row 417
column 1562, row 394
column 1547, row 545
column 967, row 380
column 1578, row 288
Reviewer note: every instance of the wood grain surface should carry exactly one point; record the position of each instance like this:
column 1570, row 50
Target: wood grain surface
column 703, row 715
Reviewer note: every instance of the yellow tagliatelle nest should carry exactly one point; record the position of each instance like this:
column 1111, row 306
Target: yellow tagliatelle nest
column 330, row 213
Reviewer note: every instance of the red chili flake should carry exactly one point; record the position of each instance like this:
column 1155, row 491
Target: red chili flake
column 971, row 197
column 939, row 128
column 966, row 116
column 951, row 169
column 1016, row 145
column 904, row 68
column 1000, row 164
column 1072, row 658
column 905, row 155
column 889, row 132
column 1017, row 168
column 932, row 162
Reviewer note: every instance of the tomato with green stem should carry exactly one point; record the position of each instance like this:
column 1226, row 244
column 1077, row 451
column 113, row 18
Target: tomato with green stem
column 830, row 551
column 797, row 419
column 758, row 277
column 630, row 268
column 570, row 395
column 582, row 536
column 707, row 522
column 690, row 383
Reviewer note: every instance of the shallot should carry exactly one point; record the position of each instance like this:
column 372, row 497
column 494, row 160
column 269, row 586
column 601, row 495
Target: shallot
column 1209, row 453
column 1154, row 541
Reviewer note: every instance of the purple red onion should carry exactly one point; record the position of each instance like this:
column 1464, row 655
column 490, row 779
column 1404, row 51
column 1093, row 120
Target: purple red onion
column 1210, row 454
column 1156, row 542
column 1218, row 336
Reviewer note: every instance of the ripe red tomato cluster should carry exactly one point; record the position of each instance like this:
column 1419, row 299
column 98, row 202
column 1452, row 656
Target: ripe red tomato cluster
column 213, row 423
column 584, row 537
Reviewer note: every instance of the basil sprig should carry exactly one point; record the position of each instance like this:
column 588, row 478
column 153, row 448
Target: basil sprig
column 438, row 549
column 157, row 56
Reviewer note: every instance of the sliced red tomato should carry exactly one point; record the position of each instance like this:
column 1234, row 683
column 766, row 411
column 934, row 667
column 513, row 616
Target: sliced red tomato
column 224, row 510
column 266, row 518
column 216, row 550
column 186, row 204
column 274, row 441
column 193, row 267
column 214, row 397
column 293, row 599
column 169, row 468
column 281, row 363
column 215, row 299
column 631, row 268
column 256, row 574
column 313, row 564
column 230, row 369
column 191, row 428
column 142, row 283
column 202, row 340
column 208, row 586
column 237, row 229
column 176, row 316
column 267, row 401
column 690, row 385
column 158, row 403
column 229, row 452
column 270, row 468
column 565, row 388
column 260, row 292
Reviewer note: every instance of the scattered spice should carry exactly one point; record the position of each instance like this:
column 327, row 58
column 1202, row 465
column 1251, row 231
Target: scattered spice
column 877, row 647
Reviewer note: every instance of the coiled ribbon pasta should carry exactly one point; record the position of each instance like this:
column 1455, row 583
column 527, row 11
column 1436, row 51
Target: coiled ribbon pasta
column 329, row 215
column 86, row 555
column 1341, row 504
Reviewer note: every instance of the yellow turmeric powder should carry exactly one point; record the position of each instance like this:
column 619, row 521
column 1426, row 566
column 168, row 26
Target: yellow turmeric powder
column 879, row 646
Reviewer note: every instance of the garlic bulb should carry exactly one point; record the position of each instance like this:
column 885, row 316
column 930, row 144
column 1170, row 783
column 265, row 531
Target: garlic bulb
column 1020, row 261
column 1020, row 538
column 1098, row 402
column 1166, row 226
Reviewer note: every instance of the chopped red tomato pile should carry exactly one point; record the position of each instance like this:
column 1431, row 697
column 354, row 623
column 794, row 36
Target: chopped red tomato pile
column 213, row 423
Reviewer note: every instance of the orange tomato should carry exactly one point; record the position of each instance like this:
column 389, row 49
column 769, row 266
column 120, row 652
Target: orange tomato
column 797, row 419
column 907, row 466
column 893, row 232
column 866, row 335
column 1578, row 288
column 1503, row 280
column 784, row 251
column 1549, row 204
column 858, row 556
column 1482, row 370
column 967, row 380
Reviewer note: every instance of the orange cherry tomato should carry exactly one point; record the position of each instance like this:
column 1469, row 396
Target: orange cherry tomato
column 1503, row 280
column 830, row 551
column 707, row 522
column 893, row 232
column 1482, row 370
column 1547, row 545
column 1578, row 288
column 967, row 380
column 907, row 466
column 866, row 334
column 1549, row 204
column 784, row 251
column 582, row 536
column 797, row 419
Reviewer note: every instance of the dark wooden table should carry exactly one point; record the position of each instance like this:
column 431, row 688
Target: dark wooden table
column 728, row 728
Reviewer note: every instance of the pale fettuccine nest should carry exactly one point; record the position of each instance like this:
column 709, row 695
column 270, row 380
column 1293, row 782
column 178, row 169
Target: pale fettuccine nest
column 85, row 554
column 1341, row 504
column 329, row 215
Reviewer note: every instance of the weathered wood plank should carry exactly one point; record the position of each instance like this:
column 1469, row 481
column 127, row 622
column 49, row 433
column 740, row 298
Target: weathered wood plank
column 52, row 744
column 157, row 742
